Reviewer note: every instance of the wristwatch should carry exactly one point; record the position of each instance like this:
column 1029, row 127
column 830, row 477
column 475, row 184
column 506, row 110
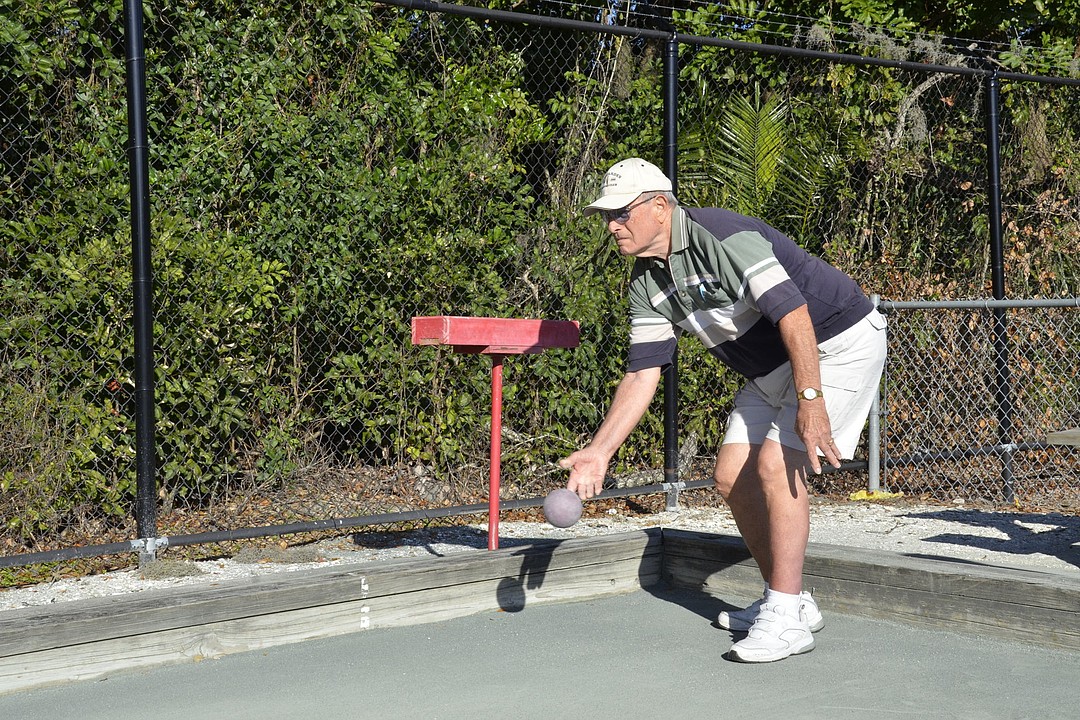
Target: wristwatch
column 809, row 394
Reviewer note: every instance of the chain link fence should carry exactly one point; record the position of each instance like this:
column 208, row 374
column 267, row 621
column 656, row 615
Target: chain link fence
column 972, row 396
column 323, row 172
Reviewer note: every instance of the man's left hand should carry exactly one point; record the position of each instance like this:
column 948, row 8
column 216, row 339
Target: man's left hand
column 814, row 429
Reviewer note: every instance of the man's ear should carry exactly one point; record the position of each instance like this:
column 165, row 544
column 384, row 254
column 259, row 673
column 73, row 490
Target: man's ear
column 667, row 206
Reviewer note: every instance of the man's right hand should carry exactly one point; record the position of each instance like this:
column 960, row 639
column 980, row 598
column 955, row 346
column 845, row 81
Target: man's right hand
column 588, row 468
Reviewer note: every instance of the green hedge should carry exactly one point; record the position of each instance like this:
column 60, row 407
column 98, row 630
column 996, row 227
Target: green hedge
column 321, row 172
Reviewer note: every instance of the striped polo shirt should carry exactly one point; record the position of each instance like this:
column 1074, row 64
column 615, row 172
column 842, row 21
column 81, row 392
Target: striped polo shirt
column 729, row 280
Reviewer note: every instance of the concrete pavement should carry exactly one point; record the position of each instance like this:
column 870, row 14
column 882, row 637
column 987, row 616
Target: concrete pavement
column 648, row 654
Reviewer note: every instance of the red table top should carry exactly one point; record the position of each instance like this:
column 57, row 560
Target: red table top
column 494, row 336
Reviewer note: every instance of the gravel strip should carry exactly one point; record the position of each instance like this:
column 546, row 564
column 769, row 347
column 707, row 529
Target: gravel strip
column 1036, row 541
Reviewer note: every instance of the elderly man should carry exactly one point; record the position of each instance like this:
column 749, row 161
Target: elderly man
column 809, row 343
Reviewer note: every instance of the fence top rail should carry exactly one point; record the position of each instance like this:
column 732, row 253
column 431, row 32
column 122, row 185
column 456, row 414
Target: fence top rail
column 672, row 36
column 984, row 304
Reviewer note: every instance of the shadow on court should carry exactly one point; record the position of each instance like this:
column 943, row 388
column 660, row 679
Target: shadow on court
column 1020, row 534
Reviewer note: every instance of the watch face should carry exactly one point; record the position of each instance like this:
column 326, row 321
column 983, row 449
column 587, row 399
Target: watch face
column 810, row 394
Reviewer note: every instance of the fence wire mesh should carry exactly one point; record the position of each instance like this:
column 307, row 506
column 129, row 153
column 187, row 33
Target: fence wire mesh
column 971, row 398
column 323, row 172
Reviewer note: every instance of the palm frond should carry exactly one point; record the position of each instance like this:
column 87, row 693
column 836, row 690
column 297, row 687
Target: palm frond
column 755, row 163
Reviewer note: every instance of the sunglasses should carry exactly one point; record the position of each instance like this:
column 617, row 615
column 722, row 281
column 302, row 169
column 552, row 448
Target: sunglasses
column 622, row 215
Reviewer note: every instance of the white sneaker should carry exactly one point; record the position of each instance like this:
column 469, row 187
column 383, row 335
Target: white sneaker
column 775, row 635
column 742, row 620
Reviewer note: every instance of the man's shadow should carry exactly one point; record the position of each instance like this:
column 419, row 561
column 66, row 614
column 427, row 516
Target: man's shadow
column 535, row 561
column 700, row 602
column 511, row 595
column 1053, row 534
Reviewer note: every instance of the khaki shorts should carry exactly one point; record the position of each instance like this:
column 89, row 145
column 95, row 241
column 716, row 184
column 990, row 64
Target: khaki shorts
column 851, row 366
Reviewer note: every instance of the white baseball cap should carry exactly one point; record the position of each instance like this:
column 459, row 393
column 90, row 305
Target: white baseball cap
column 625, row 181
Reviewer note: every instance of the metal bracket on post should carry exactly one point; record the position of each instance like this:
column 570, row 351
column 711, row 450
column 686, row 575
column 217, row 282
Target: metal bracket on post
column 672, row 489
column 148, row 547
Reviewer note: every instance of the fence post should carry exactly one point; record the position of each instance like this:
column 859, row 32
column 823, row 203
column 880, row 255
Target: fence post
column 873, row 431
column 671, row 372
column 141, row 278
column 1002, row 379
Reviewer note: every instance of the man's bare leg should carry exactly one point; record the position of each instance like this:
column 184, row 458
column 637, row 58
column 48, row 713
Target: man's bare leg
column 765, row 488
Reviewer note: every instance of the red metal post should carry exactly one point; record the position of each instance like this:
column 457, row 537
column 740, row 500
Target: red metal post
column 496, row 451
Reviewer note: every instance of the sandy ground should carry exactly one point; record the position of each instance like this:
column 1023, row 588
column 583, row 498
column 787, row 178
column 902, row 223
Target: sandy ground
column 1040, row 541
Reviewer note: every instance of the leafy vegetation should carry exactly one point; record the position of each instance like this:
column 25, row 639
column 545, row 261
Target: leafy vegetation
column 324, row 170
